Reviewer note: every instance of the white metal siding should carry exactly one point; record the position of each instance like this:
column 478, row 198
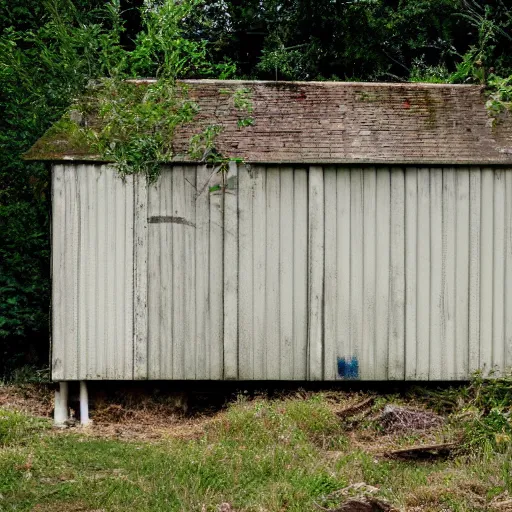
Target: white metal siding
column 185, row 276
column 314, row 273
column 272, row 287
column 92, row 305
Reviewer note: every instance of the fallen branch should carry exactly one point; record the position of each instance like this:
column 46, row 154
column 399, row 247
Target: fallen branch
column 356, row 408
column 360, row 505
column 422, row 451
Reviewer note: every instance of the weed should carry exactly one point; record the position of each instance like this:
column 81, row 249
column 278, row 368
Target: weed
column 30, row 375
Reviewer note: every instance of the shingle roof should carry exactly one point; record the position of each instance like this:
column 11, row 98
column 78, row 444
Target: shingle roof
column 337, row 122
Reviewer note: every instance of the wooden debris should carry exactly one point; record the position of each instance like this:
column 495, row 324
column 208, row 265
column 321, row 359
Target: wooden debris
column 357, row 498
column 356, row 408
column 423, row 451
column 365, row 504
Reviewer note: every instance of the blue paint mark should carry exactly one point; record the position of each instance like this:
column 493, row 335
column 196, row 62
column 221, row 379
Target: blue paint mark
column 348, row 368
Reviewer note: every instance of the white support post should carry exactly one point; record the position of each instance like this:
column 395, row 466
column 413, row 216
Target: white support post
column 61, row 405
column 84, row 404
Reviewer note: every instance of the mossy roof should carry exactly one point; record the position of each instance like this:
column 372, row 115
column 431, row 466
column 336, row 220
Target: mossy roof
column 329, row 123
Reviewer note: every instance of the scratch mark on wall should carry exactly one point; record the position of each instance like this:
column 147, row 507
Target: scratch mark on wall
column 161, row 219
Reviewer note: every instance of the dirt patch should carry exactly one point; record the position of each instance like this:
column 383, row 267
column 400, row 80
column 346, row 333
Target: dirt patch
column 33, row 399
column 142, row 416
column 152, row 428
column 130, row 416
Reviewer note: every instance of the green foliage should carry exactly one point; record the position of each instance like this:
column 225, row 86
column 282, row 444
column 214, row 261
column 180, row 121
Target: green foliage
column 162, row 48
column 243, row 103
column 421, row 72
column 483, row 409
column 489, row 408
column 30, row 374
column 47, row 55
column 202, row 145
column 137, row 123
column 137, row 120
column 500, row 94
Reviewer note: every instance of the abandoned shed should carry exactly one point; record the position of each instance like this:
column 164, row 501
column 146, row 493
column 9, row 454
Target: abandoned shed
column 366, row 234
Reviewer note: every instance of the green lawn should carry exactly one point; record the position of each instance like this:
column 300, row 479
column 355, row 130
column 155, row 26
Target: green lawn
column 286, row 454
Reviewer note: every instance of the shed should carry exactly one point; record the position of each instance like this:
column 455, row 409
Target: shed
column 366, row 235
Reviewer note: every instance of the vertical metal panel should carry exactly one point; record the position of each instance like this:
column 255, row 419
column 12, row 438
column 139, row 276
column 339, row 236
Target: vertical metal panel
column 508, row 270
column 475, row 206
column 356, row 271
column 160, row 287
column 437, row 356
column 272, row 287
column 421, row 268
column 368, row 359
column 185, row 275
column 272, row 264
column 316, row 217
column 498, row 299
column 140, row 277
column 343, row 210
column 286, row 284
column 189, row 284
column 462, row 271
column 65, row 292
column 331, row 275
column 449, row 269
column 300, row 273
column 259, row 226
column 202, row 270
column 92, row 273
column 411, row 275
column 231, row 273
column 216, row 274
column 486, row 268
column 397, row 277
column 180, row 270
column 382, row 274
column 246, row 287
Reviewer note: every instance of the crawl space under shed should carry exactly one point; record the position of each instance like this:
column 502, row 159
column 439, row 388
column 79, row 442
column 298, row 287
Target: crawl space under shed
column 366, row 235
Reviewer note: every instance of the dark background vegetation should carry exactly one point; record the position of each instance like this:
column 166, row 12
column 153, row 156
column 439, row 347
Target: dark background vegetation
column 50, row 49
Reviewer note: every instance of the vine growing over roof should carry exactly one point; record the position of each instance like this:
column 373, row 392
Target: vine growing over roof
column 135, row 119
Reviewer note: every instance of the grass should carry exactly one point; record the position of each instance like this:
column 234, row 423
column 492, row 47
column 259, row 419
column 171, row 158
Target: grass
column 283, row 454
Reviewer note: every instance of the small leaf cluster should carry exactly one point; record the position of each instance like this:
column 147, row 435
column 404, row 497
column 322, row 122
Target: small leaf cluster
column 243, row 104
column 500, row 94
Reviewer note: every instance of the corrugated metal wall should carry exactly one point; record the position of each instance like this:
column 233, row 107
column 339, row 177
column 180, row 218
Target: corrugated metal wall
column 185, row 269
column 92, row 267
column 292, row 273
column 273, row 282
